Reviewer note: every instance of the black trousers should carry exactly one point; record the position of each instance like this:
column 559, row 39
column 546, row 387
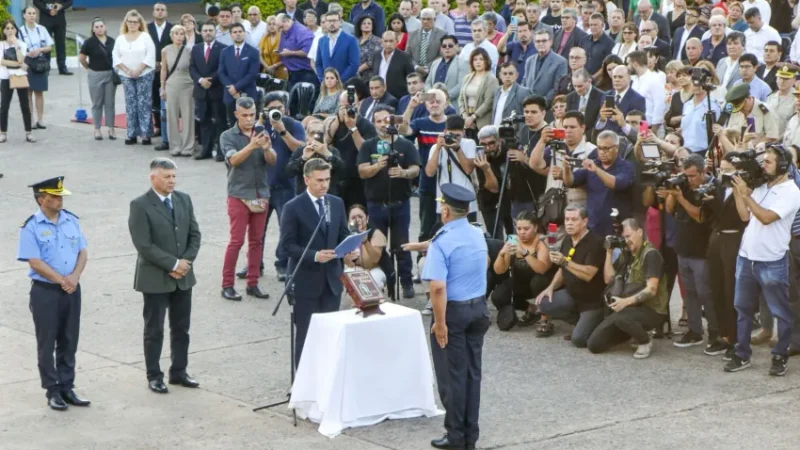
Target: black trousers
column 458, row 368
column 506, row 222
column 427, row 215
column 6, row 94
column 505, row 294
column 59, row 32
column 179, row 304
column 304, row 307
column 632, row 322
column 157, row 98
column 213, row 121
column 57, row 320
column 351, row 190
column 723, row 248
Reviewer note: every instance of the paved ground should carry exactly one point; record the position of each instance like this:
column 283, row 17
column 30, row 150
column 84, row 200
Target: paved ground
column 537, row 394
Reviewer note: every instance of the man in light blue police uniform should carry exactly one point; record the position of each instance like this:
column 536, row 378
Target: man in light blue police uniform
column 52, row 243
column 456, row 269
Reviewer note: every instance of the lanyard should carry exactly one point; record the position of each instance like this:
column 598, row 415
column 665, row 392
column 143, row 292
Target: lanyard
column 38, row 33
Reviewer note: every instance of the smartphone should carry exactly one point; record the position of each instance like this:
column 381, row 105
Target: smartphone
column 258, row 129
column 751, row 125
column 480, row 151
column 426, row 97
column 650, row 151
column 514, row 21
column 512, row 239
column 394, row 120
column 559, row 133
column 610, row 102
column 644, row 128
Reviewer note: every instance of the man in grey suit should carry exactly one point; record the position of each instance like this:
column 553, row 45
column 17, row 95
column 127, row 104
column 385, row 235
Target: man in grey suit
column 508, row 97
column 449, row 69
column 728, row 67
column 427, row 37
column 545, row 68
column 167, row 238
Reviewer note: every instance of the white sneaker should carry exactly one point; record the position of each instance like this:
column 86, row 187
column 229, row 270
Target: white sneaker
column 428, row 310
column 643, row 351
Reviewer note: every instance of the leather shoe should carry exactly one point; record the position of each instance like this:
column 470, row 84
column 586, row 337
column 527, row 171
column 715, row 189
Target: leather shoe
column 158, row 386
column 230, row 293
column 185, row 381
column 57, row 403
column 64, row 72
column 242, row 273
column 201, row 157
column 281, row 273
column 256, row 292
column 444, row 443
column 147, row 141
column 161, row 147
column 408, row 291
column 73, row 399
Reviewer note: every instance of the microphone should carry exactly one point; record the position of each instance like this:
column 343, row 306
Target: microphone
column 725, row 114
column 327, row 210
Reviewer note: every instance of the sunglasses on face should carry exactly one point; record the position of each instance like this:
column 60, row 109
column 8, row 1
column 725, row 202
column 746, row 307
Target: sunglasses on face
column 448, row 45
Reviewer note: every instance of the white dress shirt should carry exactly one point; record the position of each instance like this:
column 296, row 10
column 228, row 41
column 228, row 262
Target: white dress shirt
column 684, row 38
column 257, row 32
column 501, row 104
column 763, row 7
column 160, row 29
column 384, row 68
column 650, row 86
column 486, row 45
column 757, row 39
column 333, row 38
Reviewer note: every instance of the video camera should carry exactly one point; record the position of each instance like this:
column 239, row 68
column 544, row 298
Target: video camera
column 352, row 110
column 615, row 240
column 702, row 77
column 507, row 132
column 656, row 172
column 747, row 168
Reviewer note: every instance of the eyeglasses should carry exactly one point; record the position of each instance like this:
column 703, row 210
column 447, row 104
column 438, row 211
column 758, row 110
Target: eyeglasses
column 448, row 45
column 252, row 14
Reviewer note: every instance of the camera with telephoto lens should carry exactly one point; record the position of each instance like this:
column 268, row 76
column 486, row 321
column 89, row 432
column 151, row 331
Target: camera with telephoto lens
column 679, row 181
column 351, row 110
column 273, row 115
column 615, row 240
column 705, row 192
column 747, row 168
column 656, row 172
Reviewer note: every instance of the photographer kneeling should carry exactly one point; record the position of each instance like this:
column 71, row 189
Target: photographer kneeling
column 637, row 294
column 528, row 260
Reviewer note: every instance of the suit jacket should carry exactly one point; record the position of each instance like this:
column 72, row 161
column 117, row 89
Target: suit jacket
column 165, row 37
column 680, row 53
column 456, row 72
column 399, row 67
column 545, row 80
column 664, row 49
column 242, row 73
column 298, row 220
column 345, row 58
column 199, row 68
column 572, row 41
column 596, row 99
column 630, row 102
column 434, row 45
column 661, row 21
column 387, row 99
column 722, row 67
column 514, row 100
column 486, row 90
column 161, row 238
column 769, row 77
column 45, row 18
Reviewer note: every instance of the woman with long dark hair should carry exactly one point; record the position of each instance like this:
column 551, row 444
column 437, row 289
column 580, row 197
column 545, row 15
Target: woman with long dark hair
column 368, row 44
column 95, row 57
column 397, row 24
column 603, row 81
column 13, row 76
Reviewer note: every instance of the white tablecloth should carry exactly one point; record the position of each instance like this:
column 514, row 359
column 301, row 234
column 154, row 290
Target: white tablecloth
column 356, row 372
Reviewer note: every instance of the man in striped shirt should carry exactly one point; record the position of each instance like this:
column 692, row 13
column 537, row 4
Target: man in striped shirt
column 463, row 24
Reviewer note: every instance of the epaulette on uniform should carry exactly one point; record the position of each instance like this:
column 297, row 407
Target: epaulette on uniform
column 764, row 108
column 71, row 214
column 26, row 221
column 438, row 233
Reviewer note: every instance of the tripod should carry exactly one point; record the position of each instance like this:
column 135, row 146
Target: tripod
column 289, row 291
column 391, row 130
column 500, row 200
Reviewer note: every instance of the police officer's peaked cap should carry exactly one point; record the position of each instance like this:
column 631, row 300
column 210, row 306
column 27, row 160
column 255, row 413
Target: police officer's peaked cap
column 457, row 196
column 737, row 95
column 53, row 186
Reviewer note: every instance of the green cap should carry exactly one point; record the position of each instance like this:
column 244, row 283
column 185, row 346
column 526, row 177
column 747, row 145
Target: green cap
column 737, row 95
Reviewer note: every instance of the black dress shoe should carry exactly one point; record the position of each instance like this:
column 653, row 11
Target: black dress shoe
column 57, row 402
column 161, row 147
column 219, row 158
column 147, row 141
column 73, row 399
column 408, row 291
column 256, row 292
column 158, row 387
column 201, row 157
column 242, row 274
column 185, row 381
column 130, row 141
column 230, row 293
column 64, row 72
column 444, row 442
column 281, row 273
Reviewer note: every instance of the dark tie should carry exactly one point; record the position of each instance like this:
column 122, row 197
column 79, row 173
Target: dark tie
column 619, row 100
column 208, row 52
column 237, row 53
column 168, row 202
column 320, row 208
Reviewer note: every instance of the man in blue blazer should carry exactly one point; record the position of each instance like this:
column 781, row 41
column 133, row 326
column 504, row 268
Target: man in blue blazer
column 239, row 65
column 625, row 99
column 345, row 55
column 208, row 91
column 542, row 77
column 317, row 288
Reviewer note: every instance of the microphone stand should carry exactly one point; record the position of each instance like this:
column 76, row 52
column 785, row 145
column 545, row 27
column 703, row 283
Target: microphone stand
column 286, row 292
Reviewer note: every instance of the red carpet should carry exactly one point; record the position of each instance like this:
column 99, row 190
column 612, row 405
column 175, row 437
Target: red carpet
column 120, row 121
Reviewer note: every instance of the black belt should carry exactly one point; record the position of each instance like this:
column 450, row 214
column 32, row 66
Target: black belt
column 47, row 285
column 471, row 301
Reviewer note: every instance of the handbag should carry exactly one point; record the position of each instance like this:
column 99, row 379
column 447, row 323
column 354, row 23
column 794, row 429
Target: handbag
column 18, row 82
column 38, row 64
column 551, row 205
column 10, row 54
column 258, row 205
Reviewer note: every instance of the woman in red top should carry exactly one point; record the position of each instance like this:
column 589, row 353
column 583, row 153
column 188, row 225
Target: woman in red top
column 398, row 25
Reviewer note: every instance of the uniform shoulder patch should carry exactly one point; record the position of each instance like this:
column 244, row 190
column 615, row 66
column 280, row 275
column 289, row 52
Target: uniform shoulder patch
column 764, row 109
column 25, row 222
column 438, row 233
column 71, row 214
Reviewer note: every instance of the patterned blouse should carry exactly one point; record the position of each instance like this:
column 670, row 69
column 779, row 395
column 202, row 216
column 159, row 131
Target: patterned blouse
column 368, row 48
column 328, row 104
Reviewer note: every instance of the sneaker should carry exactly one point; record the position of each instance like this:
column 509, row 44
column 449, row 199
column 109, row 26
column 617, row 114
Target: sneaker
column 736, row 364
column 408, row 291
column 778, row 368
column 428, row 310
column 643, row 351
column 281, row 273
column 690, row 339
column 716, row 348
column 728, row 354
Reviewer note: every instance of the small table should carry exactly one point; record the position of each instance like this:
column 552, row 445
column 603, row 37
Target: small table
column 358, row 371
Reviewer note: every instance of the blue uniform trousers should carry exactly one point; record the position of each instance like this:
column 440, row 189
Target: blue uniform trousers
column 57, row 320
column 458, row 368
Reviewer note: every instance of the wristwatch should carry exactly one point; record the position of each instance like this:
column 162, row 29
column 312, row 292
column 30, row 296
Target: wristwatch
column 564, row 264
column 527, row 252
column 354, row 129
column 282, row 133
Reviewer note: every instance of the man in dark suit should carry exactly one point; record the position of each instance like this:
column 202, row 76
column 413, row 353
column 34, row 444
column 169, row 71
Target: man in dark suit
column 239, row 65
column 510, row 93
column 625, row 100
column 317, row 288
column 569, row 21
column 167, row 238
column 378, row 96
column 683, row 34
column 52, row 17
column 159, row 30
column 208, row 90
column 585, row 98
column 319, row 6
column 645, row 12
column 397, row 65
column 651, row 28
